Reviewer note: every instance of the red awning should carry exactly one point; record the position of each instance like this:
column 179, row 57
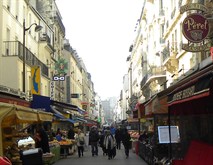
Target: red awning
column 194, row 97
column 194, row 89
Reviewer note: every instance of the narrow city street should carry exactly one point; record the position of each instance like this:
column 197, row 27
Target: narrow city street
column 87, row 159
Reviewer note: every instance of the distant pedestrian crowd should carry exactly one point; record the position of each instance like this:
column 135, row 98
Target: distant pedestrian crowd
column 109, row 139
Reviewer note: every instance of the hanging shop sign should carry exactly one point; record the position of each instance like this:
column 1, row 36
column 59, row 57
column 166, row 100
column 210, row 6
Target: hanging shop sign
column 74, row 95
column 36, row 80
column 193, row 6
column 195, row 28
column 61, row 67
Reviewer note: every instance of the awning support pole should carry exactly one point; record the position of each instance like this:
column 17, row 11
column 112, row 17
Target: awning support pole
column 170, row 143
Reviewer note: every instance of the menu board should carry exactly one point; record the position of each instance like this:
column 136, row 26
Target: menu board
column 163, row 134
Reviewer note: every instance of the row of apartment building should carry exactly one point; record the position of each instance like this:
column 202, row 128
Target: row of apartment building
column 169, row 75
column 62, row 74
column 157, row 60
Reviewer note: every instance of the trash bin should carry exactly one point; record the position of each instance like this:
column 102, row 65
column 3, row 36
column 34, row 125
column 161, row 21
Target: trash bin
column 32, row 157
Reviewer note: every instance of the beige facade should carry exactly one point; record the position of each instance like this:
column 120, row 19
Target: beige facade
column 78, row 86
column 74, row 76
column 157, row 59
column 13, row 15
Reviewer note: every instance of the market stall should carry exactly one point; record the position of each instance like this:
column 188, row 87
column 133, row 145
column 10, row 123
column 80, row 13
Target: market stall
column 13, row 118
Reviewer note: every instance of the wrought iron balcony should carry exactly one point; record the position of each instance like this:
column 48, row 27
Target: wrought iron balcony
column 154, row 72
column 15, row 48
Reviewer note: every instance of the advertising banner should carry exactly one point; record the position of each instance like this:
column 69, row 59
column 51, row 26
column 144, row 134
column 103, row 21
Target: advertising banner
column 36, row 80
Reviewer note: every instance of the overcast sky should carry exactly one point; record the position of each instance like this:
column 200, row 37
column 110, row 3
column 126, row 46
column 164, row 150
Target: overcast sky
column 101, row 31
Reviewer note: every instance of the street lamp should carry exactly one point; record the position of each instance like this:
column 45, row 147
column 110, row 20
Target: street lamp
column 37, row 28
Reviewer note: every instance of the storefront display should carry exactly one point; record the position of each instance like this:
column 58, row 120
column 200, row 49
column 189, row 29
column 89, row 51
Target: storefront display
column 13, row 120
column 66, row 145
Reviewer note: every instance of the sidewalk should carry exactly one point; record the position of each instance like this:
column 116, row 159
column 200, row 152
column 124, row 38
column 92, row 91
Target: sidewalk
column 87, row 159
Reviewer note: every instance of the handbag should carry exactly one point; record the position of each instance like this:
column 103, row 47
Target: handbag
column 5, row 161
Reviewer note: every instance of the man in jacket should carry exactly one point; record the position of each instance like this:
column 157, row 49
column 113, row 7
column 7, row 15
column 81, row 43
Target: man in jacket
column 126, row 142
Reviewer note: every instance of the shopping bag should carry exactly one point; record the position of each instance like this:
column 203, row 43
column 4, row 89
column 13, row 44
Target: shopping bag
column 5, row 161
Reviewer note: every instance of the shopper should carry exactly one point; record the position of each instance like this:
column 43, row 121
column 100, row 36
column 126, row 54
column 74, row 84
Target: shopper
column 126, row 142
column 118, row 136
column 71, row 133
column 93, row 140
column 110, row 144
column 80, row 139
column 41, row 139
column 101, row 142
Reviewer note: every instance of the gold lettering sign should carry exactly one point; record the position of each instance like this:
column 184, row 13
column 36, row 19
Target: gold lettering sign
column 193, row 6
column 196, row 48
column 188, row 92
column 195, row 28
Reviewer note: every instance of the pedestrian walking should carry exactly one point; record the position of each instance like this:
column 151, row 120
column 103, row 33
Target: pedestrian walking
column 71, row 136
column 110, row 144
column 126, row 142
column 112, row 130
column 101, row 142
column 80, row 139
column 93, row 140
column 71, row 133
column 118, row 136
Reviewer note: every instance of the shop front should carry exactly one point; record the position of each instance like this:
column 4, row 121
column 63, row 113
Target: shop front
column 191, row 108
column 13, row 120
column 154, row 114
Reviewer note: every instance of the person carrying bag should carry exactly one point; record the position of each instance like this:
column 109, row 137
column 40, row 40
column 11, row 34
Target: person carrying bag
column 80, row 138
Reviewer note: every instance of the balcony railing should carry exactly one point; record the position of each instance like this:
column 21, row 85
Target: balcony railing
column 155, row 71
column 15, row 48
column 166, row 53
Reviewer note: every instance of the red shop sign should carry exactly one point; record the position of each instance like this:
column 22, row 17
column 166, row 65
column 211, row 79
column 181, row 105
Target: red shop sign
column 195, row 28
